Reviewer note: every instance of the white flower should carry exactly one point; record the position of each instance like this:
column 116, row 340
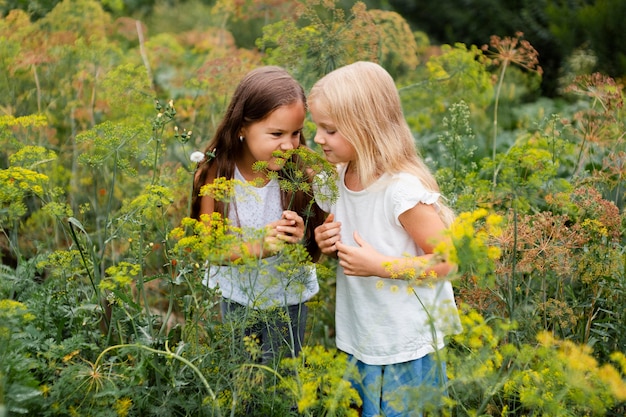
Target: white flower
column 197, row 156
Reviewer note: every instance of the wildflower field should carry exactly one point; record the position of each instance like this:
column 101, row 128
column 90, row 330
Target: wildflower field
column 102, row 307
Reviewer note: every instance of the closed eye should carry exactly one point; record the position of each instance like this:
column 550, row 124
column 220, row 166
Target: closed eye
column 330, row 130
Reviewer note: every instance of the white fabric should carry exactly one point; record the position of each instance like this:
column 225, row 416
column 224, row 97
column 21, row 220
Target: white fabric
column 385, row 321
column 259, row 284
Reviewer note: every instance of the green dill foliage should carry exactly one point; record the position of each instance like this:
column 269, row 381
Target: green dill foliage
column 112, row 146
column 456, row 74
column 18, row 386
column 458, row 144
column 303, row 170
column 103, row 307
column 348, row 36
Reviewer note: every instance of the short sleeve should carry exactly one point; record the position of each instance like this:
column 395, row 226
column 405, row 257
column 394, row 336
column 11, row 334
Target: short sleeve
column 407, row 191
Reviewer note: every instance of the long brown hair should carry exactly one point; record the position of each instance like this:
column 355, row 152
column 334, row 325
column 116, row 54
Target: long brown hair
column 259, row 93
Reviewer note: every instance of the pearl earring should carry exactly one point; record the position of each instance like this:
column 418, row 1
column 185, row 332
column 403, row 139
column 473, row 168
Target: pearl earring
column 241, row 138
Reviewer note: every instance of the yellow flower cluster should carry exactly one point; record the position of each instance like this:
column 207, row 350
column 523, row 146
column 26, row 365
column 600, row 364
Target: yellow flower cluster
column 477, row 333
column 221, row 189
column 320, row 384
column 12, row 308
column 472, row 249
column 36, row 120
column 15, row 184
column 122, row 406
column 211, row 238
column 580, row 362
column 253, row 346
column 120, row 276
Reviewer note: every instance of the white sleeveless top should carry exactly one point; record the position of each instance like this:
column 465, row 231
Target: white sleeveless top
column 268, row 282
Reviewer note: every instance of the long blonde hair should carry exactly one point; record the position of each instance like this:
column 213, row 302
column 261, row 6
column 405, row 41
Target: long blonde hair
column 363, row 102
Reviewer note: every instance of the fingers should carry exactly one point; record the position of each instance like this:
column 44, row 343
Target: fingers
column 290, row 228
column 327, row 235
column 358, row 239
column 343, row 252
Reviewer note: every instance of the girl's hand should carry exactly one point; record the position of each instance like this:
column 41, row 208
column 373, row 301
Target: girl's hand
column 327, row 235
column 290, row 228
column 362, row 260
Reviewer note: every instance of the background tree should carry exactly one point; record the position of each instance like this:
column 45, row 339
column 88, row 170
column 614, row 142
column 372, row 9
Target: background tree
column 556, row 28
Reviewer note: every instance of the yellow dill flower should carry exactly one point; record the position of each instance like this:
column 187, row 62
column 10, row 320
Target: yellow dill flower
column 610, row 376
column 380, row 284
column 309, row 396
column 177, row 233
column 12, row 308
column 73, row 411
column 477, row 333
column 493, row 252
column 393, row 288
column 24, row 121
column 494, row 221
column 122, row 406
column 595, row 226
column 70, row 356
column 579, row 357
column 123, row 273
column 484, row 369
column 545, row 339
column 620, row 359
column 221, row 189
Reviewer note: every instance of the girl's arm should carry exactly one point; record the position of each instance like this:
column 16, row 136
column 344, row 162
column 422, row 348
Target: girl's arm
column 423, row 224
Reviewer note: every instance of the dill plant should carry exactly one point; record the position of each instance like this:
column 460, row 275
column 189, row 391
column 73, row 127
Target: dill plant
column 97, row 234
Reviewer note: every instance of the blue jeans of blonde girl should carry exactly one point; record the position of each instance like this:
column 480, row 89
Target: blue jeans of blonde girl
column 280, row 330
column 394, row 390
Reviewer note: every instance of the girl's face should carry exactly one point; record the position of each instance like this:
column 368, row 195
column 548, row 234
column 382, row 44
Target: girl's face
column 335, row 146
column 280, row 130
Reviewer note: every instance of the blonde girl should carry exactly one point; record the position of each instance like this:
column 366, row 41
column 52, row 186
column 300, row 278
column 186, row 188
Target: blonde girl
column 394, row 306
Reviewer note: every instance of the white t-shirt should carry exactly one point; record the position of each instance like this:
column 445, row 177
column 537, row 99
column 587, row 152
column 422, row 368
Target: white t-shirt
column 385, row 321
column 266, row 282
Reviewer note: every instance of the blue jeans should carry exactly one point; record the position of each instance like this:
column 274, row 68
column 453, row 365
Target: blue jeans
column 279, row 330
column 401, row 389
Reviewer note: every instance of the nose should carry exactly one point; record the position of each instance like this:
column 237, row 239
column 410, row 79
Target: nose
column 287, row 144
column 318, row 138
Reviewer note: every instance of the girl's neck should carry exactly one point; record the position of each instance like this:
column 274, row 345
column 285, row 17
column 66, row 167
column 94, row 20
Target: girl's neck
column 249, row 174
column 351, row 178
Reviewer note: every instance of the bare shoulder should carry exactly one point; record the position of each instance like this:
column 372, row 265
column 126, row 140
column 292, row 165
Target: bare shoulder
column 202, row 178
